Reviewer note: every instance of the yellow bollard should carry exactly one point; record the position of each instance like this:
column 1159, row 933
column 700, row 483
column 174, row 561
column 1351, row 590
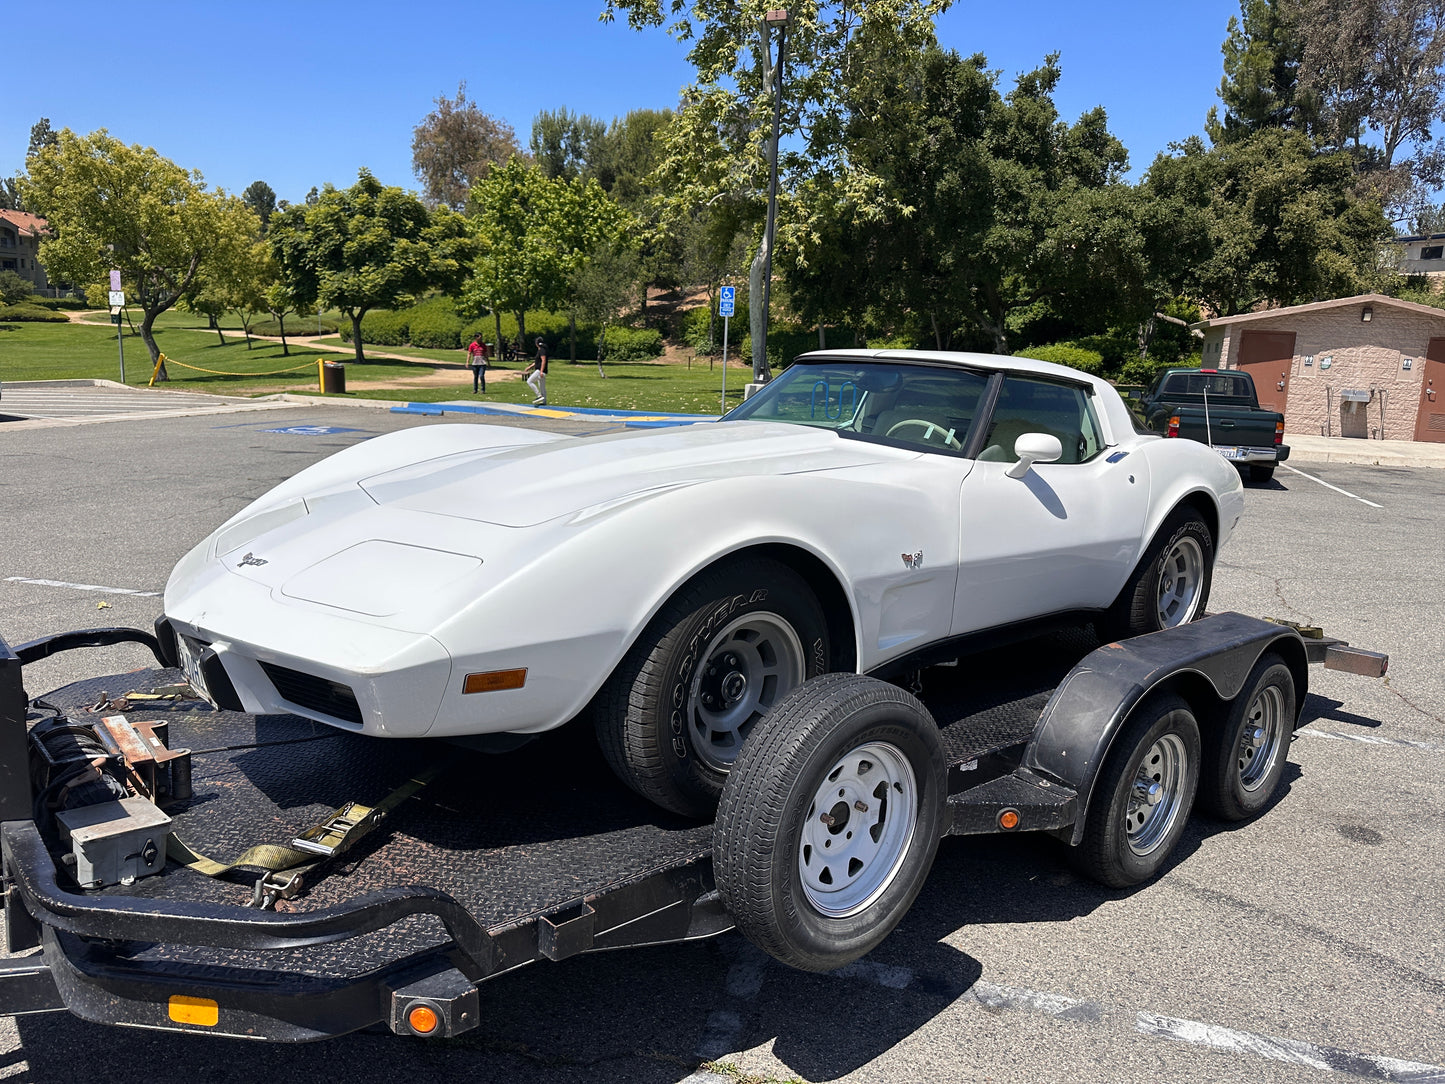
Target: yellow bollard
column 160, row 360
column 320, row 375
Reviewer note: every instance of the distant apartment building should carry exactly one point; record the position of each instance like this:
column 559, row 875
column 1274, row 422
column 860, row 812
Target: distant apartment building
column 1422, row 255
column 20, row 235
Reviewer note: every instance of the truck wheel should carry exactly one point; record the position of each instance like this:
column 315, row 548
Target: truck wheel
column 1258, row 473
column 1244, row 759
column 1171, row 584
column 1142, row 798
column 830, row 820
column 716, row 658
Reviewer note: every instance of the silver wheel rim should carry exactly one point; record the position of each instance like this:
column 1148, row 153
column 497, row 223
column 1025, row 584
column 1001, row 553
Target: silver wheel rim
column 859, row 826
column 1180, row 579
column 1154, row 798
column 1261, row 740
column 746, row 669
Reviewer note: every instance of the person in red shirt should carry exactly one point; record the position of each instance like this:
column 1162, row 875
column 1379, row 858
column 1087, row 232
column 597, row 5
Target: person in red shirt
column 477, row 359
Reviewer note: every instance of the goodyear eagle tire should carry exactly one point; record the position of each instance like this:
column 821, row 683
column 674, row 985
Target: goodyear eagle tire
column 830, row 820
column 717, row 657
column 1245, row 758
column 1142, row 799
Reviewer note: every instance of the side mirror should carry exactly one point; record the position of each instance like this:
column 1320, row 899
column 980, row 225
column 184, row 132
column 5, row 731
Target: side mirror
column 1034, row 448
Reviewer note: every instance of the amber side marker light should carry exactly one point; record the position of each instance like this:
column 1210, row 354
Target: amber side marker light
column 201, row 1011
column 422, row 1019
column 494, row 680
column 1009, row 819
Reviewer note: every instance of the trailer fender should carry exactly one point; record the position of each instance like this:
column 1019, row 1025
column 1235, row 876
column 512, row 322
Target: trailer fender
column 1206, row 662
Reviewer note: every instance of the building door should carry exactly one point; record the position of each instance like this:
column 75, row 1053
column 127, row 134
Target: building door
column 1430, row 422
column 1268, row 357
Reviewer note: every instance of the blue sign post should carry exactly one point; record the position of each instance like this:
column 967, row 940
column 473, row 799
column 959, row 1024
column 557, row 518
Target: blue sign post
column 726, row 296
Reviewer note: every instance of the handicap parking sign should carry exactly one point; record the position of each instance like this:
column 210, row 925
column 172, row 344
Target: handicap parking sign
column 725, row 300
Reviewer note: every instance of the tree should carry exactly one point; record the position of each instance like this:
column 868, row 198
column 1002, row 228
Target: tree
column 261, row 198
column 1261, row 72
column 533, row 235
column 113, row 205
column 234, row 280
column 41, row 136
column 717, row 150
column 10, row 194
column 281, row 301
column 564, row 144
column 366, row 247
column 1269, row 221
column 14, row 288
column 455, row 145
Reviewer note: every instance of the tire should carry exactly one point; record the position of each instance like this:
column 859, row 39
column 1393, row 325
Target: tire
column 1128, row 832
column 818, row 755
column 1170, row 585
column 1245, row 758
column 1259, row 473
column 714, row 660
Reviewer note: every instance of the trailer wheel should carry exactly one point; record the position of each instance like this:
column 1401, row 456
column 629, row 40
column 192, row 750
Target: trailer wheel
column 1170, row 585
column 716, row 658
column 1244, row 759
column 830, row 819
column 1142, row 798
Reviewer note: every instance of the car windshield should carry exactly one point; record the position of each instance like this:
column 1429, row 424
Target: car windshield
column 923, row 407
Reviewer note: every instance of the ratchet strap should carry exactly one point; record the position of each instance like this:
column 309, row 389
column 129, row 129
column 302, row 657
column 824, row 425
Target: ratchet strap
column 286, row 867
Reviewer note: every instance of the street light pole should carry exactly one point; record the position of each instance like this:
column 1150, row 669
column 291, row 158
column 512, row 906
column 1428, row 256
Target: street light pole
column 777, row 19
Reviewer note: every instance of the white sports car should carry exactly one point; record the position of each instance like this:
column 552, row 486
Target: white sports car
column 865, row 511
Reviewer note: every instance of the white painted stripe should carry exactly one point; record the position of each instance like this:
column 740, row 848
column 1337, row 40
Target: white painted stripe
column 84, row 587
column 1011, row 997
column 1327, row 485
column 1371, row 739
column 1291, row 1051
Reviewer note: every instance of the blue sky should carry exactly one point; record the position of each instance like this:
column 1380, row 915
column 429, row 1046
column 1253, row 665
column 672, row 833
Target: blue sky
column 298, row 94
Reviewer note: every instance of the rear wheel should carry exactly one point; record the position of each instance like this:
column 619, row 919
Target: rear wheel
column 718, row 656
column 1170, row 585
column 1141, row 801
column 1244, row 760
column 830, row 820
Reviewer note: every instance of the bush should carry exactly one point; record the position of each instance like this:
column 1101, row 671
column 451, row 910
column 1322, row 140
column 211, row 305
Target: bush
column 694, row 330
column 34, row 313
column 296, row 327
column 435, row 328
column 13, row 288
column 1070, row 354
column 69, row 304
column 897, row 342
column 631, row 344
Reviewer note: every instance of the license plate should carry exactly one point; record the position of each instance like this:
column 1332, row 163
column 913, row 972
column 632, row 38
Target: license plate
column 1230, row 453
column 190, row 652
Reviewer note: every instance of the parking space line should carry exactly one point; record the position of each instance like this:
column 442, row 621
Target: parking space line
column 1292, row 1051
column 1372, row 739
column 1327, row 485
column 85, row 587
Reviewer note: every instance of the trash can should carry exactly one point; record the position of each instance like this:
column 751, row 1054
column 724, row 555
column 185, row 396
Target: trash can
column 333, row 377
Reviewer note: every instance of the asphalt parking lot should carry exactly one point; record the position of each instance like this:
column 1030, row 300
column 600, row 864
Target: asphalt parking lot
column 1303, row 946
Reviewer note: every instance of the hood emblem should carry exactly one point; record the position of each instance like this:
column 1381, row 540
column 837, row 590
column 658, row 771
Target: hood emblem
column 910, row 560
column 252, row 559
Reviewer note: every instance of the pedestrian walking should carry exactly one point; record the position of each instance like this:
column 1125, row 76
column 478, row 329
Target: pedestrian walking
column 538, row 380
column 477, row 359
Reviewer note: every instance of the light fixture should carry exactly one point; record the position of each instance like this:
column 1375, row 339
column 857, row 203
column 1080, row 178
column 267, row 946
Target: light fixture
column 1369, row 312
column 776, row 17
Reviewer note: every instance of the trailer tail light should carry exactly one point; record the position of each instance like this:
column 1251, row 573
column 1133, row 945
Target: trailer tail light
column 1008, row 819
column 494, row 681
column 1173, row 427
column 1279, row 432
column 423, row 1019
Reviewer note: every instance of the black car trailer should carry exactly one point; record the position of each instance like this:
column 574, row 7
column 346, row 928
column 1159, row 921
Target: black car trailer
column 539, row 853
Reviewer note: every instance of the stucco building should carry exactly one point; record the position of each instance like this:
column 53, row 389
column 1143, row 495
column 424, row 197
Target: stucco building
column 1367, row 366
column 20, row 235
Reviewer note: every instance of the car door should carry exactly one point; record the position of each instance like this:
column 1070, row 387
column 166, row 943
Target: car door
column 1062, row 537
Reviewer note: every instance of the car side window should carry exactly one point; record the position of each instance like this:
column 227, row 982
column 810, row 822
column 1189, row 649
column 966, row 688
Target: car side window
column 1031, row 405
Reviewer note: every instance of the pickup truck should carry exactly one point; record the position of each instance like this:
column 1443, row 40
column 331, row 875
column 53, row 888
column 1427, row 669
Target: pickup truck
column 1217, row 407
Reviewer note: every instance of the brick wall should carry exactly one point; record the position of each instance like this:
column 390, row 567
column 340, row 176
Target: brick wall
column 1368, row 356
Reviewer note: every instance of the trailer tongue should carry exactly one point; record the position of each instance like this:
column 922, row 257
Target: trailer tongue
column 536, row 854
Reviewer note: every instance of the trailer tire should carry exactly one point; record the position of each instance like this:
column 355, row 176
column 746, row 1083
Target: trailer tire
column 761, row 625
column 1170, row 585
column 1141, row 800
column 1245, row 757
column 845, row 762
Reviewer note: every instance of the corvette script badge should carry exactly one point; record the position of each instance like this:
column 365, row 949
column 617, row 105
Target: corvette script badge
column 910, row 560
column 252, row 559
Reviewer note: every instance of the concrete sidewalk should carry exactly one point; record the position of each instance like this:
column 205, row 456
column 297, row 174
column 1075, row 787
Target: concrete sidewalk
column 1377, row 453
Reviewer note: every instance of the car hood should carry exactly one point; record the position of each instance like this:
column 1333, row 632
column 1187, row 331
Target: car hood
column 528, row 485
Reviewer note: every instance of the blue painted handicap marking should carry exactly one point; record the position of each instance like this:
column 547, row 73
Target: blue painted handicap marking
column 312, row 430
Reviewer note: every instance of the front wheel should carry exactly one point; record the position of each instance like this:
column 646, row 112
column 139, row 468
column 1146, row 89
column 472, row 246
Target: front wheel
column 1170, row 585
column 1141, row 801
column 718, row 656
column 830, row 820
